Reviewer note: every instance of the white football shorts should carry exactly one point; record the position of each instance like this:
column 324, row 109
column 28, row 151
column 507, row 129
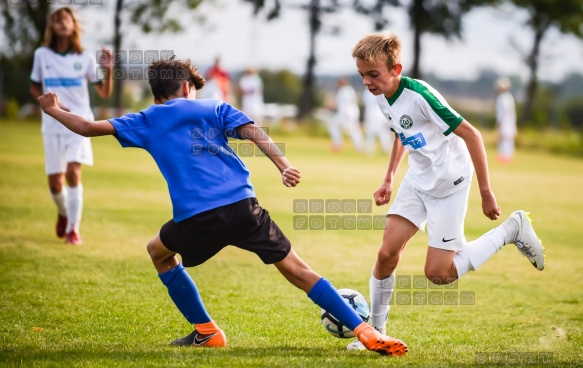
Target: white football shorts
column 60, row 149
column 444, row 217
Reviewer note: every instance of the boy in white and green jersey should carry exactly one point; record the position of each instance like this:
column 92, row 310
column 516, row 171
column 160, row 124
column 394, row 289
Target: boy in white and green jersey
column 443, row 151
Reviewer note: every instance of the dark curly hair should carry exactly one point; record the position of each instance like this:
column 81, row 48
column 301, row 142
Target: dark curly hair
column 167, row 75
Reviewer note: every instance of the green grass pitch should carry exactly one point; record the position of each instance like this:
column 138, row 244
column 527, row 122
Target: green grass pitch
column 102, row 305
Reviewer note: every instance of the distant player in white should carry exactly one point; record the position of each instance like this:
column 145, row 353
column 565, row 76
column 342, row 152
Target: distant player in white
column 62, row 67
column 346, row 117
column 505, row 120
column 210, row 91
column 435, row 189
column 375, row 124
column 251, row 89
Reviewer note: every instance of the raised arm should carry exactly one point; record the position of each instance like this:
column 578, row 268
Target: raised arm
column 106, row 63
column 50, row 103
column 383, row 194
column 475, row 145
column 289, row 174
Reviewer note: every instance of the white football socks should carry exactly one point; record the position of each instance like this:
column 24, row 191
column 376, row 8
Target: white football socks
column 381, row 292
column 478, row 251
column 60, row 200
column 74, row 207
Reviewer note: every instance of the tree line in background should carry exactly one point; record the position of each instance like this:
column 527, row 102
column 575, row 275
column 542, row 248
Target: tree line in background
column 24, row 21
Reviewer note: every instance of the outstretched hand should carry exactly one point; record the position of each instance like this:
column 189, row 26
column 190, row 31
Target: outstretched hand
column 290, row 177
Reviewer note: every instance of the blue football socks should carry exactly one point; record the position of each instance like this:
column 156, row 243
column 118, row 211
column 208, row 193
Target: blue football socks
column 184, row 294
column 327, row 297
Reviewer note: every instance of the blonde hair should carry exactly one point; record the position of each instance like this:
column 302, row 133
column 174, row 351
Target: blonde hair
column 50, row 36
column 377, row 46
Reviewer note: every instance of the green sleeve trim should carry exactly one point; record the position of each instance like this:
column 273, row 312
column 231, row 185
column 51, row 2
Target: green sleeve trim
column 35, row 82
column 453, row 126
column 441, row 110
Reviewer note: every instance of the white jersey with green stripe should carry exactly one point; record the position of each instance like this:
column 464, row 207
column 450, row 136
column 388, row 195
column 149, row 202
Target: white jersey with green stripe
column 439, row 162
column 66, row 75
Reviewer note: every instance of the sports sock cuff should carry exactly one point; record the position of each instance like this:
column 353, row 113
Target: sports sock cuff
column 167, row 276
column 318, row 288
column 206, row 328
column 387, row 283
column 73, row 191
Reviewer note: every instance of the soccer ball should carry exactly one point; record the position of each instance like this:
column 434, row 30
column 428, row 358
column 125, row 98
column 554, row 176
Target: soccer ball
column 357, row 302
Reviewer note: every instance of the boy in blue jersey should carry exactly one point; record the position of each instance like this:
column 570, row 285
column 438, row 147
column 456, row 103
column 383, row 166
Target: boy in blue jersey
column 435, row 189
column 213, row 201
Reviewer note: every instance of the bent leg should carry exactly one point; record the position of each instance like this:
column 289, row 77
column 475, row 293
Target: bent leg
column 318, row 289
column 163, row 258
column 398, row 231
column 181, row 287
column 297, row 272
column 439, row 266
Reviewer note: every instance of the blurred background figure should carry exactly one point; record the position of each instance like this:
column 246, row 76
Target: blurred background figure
column 221, row 78
column 375, row 125
column 210, row 91
column 346, row 117
column 251, row 89
column 505, row 120
column 62, row 66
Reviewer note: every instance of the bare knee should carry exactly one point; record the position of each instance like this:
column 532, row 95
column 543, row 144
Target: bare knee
column 73, row 178
column 56, row 183
column 162, row 258
column 387, row 260
column 151, row 248
column 438, row 276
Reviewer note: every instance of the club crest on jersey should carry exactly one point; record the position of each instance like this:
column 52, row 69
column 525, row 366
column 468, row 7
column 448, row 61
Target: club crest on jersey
column 406, row 122
column 77, row 66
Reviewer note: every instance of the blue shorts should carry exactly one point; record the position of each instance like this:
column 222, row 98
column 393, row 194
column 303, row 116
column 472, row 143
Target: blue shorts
column 243, row 224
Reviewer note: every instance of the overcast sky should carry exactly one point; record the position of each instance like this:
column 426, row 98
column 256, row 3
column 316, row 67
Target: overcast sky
column 241, row 40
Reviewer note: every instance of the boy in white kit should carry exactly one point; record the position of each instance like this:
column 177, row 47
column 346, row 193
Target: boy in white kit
column 375, row 124
column 251, row 89
column 346, row 117
column 435, row 189
column 62, row 67
column 505, row 120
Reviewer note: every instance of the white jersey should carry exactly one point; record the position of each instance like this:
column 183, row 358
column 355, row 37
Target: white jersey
column 67, row 76
column 252, row 96
column 347, row 103
column 439, row 162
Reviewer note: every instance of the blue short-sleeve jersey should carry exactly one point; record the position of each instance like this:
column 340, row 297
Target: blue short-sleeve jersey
column 188, row 139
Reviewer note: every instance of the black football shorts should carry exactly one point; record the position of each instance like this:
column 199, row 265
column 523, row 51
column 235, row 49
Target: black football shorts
column 243, row 224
